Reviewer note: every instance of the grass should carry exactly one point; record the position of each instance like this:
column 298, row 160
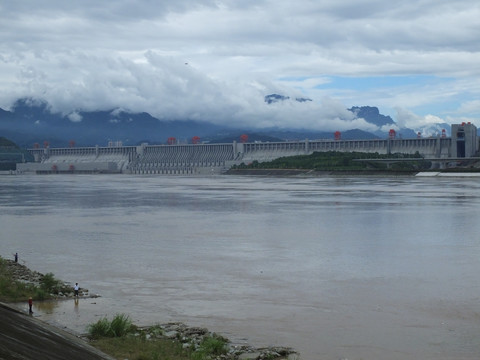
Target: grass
column 212, row 345
column 122, row 340
column 120, row 325
column 49, row 284
column 12, row 290
column 138, row 348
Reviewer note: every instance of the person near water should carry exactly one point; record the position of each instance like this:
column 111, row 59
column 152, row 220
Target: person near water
column 16, row 257
column 30, row 304
column 75, row 289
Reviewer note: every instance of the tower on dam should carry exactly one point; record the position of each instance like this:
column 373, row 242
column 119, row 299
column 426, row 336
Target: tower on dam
column 464, row 140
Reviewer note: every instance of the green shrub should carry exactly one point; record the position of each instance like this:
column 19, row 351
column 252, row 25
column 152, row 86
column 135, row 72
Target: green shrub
column 211, row 346
column 120, row 326
column 49, row 284
column 99, row 329
column 214, row 345
column 40, row 294
column 13, row 291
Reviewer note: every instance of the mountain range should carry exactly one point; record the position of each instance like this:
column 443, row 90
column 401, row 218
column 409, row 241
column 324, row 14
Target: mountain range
column 31, row 122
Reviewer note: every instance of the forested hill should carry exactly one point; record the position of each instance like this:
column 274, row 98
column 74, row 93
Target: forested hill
column 11, row 154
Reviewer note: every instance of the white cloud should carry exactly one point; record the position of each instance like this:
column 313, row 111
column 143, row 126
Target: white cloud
column 428, row 125
column 469, row 107
column 74, row 117
column 90, row 55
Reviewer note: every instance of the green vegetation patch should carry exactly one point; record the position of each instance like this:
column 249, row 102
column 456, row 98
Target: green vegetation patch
column 138, row 348
column 15, row 290
column 122, row 340
column 11, row 154
column 340, row 161
column 210, row 346
column 10, row 289
column 119, row 326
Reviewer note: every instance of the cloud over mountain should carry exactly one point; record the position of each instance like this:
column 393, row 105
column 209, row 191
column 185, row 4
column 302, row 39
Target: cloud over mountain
column 216, row 60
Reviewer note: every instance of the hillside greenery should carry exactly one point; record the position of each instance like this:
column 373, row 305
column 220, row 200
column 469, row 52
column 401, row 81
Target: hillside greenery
column 341, row 161
column 11, row 154
column 5, row 143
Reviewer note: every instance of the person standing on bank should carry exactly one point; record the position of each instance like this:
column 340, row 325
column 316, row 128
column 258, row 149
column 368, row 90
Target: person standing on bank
column 30, row 304
column 16, row 257
column 75, row 289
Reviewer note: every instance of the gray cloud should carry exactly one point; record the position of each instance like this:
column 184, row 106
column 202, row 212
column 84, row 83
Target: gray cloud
column 215, row 60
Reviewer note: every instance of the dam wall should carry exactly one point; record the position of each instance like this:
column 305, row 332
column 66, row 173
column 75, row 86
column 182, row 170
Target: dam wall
column 200, row 159
column 429, row 148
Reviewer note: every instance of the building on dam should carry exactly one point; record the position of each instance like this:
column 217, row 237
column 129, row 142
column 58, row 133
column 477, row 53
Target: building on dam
column 201, row 159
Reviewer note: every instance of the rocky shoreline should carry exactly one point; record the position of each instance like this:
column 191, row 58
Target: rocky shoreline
column 192, row 337
column 23, row 274
column 189, row 337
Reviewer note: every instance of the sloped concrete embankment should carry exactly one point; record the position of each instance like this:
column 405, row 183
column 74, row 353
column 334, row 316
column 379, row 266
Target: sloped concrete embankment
column 24, row 337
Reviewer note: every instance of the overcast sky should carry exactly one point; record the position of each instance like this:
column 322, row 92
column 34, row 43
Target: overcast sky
column 416, row 60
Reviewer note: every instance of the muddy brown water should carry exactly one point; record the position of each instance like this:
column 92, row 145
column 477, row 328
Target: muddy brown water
column 335, row 267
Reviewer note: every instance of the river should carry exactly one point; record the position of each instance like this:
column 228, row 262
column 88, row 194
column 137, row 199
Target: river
column 335, row 267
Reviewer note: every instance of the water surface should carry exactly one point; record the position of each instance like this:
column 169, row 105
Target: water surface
column 336, row 267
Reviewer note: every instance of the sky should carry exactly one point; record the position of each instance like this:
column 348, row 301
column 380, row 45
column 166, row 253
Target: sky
column 418, row 61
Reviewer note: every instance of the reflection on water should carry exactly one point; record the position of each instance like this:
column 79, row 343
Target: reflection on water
column 336, row 267
column 75, row 314
column 47, row 307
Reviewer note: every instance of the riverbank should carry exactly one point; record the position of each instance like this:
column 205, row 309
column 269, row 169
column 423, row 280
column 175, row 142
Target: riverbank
column 34, row 279
column 314, row 173
column 28, row 335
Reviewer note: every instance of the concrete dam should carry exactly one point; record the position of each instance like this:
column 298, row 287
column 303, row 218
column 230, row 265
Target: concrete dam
column 203, row 159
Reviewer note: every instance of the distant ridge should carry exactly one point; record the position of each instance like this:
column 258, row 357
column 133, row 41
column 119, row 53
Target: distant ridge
column 372, row 115
column 30, row 121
